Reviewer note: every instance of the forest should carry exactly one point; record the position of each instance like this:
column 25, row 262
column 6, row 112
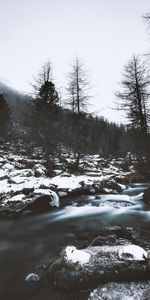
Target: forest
column 65, row 125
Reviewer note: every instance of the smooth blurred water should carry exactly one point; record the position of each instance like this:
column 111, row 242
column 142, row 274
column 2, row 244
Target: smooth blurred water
column 34, row 239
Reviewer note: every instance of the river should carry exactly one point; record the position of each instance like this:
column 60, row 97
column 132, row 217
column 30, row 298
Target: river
column 31, row 240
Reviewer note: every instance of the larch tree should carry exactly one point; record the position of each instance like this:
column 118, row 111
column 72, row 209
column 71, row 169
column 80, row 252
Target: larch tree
column 77, row 88
column 78, row 100
column 134, row 95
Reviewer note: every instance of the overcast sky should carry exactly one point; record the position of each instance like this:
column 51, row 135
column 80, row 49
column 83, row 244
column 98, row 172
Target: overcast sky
column 103, row 33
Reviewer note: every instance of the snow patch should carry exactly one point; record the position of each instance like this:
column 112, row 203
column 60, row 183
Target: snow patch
column 8, row 167
column 62, row 194
column 42, row 191
column 18, row 180
column 18, row 197
column 22, row 173
column 55, row 199
column 2, row 160
column 76, row 256
column 72, row 182
column 3, row 175
column 132, row 252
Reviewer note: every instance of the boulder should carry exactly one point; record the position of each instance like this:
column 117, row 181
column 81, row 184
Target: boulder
column 101, row 264
column 39, row 201
column 8, row 167
column 43, row 200
column 52, row 196
column 39, row 170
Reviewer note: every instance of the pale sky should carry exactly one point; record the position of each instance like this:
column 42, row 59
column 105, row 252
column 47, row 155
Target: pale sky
column 103, row 33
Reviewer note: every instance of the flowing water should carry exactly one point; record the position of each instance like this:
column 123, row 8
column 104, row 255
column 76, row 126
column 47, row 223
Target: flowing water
column 32, row 240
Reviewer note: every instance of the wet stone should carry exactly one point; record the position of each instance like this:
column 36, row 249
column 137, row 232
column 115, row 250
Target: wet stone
column 103, row 265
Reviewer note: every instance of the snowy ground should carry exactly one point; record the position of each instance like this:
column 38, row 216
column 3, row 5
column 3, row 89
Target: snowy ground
column 24, row 179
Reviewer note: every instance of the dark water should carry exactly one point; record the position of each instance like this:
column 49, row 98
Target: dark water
column 34, row 239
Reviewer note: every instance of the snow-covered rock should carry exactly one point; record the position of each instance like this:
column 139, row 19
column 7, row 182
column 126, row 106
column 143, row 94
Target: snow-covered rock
column 69, row 183
column 39, row 170
column 115, row 204
column 2, row 160
column 54, row 199
column 32, row 277
column 16, row 198
column 132, row 252
column 57, row 172
column 122, row 186
column 8, row 167
column 3, row 174
column 73, row 255
column 113, row 197
column 80, row 269
column 62, row 194
column 22, row 173
column 17, row 179
column 42, row 200
column 111, row 200
column 42, row 191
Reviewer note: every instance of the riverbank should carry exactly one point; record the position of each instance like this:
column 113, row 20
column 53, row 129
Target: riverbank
column 26, row 185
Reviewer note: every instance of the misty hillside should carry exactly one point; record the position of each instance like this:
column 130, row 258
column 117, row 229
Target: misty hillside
column 55, row 127
column 40, row 123
column 17, row 103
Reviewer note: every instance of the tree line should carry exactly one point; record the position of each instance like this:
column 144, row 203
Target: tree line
column 70, row 127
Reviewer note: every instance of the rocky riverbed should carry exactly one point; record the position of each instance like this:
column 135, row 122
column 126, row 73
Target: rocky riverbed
column 25, row 184
column 83, row 235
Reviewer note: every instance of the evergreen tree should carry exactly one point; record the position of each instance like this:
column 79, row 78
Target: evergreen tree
column 48, row 94
column 44, row 88
column 4, row 117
